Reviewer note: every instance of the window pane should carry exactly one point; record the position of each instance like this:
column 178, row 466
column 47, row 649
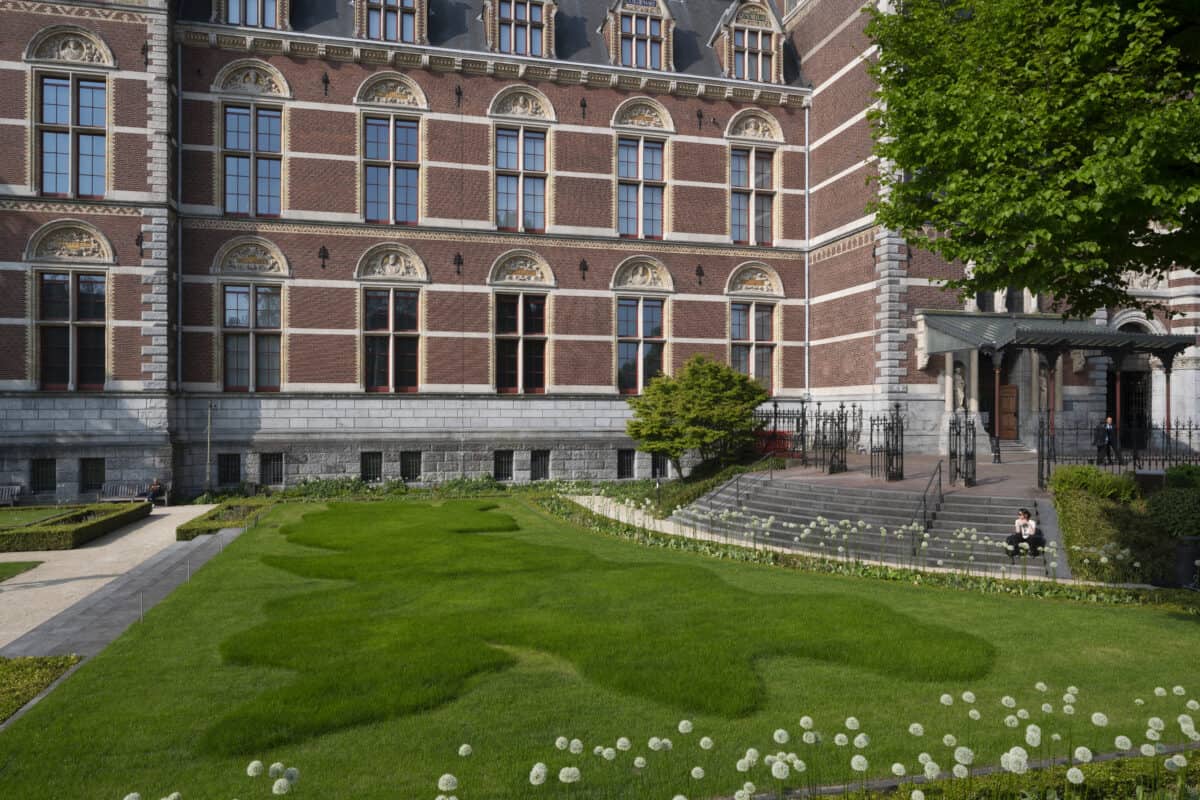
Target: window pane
column 762, row 323
column 652, row 318
column 640, row 47
column 237, row 361
column 627, row 371
column 535, row 151
column 237, row 185
column 371, row 467
column 91, row 474
column 535, row 204
column 627, row 209
column 406, row 140
column 762, row 171
column 739, row 321
column 626, row 23
column 656, row 55
column 506, row 9
column 373, row 23
column 89, row 359
column 539, row 465
column 251, row 8
column 406, row 195
column 506, row 39
column 739, row 214
column 739, row 168
column 410, row 465
column 652, row 355
column 534, row 368
column 506, row 313
column 237, row 128
column 506, row 201
column 762, row 219
column 535, row 42
column 535, row 314
column 640, row 25
column 377, row 194
column 762, row 365
column 739, row 358
column 56, row 172
column 56, row 101
column 625, row 461
column 229, row 468
column 739, row 64
column 766, row 67
column 89, row 298
column 375, row 316
column 91, row 165
column 535, row 12
column 626, row 52
column 519, row 33
column 266, row 362
column 43, row 475
column 91, row 103
column 506, row 364
column 55, row 298
column 237, row 306
column 627, row 317
column 405, row 311
column 390, row 31
column 739, row 38
column 408, row 28
column 376, row 362
column 269, row 14
column 55, row 356
column 376, row 139
column 652, row 210
column 267, row 201
column 406, row 363
column 652, row 161
column 655, row 28
column 627, row 158
column 506, row 150
column 269, row 121
column 266, row 309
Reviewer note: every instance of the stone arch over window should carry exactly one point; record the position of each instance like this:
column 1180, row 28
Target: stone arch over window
column 251, row 76
column 521, row 268
column 392, row 90
column 754, row 126
column 69, row 44
column 1131, row 316
column 754, row 279
column 251, row 256
column 392, row 262
column 68, row 241
column 643, row 114
column 522, row 103
column 642, row 274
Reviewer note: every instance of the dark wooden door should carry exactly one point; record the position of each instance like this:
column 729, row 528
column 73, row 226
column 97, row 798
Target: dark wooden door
column 1008, row 412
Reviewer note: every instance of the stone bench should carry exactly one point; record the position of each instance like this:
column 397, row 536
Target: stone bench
column 9, row 494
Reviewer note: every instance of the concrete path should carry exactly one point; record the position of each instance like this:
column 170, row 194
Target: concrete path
column 69, row 576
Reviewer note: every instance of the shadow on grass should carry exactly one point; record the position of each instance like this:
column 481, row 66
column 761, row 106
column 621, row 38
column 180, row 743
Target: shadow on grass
column 440, row 595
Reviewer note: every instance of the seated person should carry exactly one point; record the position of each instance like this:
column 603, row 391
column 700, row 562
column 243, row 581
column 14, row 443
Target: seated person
column 153, row 492
column 1026, row 537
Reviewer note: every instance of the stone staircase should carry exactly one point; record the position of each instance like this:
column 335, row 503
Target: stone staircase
column 967, row 532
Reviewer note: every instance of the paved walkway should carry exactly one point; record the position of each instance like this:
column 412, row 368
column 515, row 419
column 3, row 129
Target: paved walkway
column 69, row 576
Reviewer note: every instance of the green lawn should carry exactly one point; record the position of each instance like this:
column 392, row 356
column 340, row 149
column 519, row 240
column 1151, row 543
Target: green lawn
column 10, row 568
column 11, row 517
column 365, row 643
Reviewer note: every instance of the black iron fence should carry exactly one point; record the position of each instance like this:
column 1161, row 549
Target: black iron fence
column 814, row 435
column 962, row 449
column 886, row 444
column 1135, row 446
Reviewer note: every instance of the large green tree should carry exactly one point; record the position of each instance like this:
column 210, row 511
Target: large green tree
column 708, row 408
column 1055, row 144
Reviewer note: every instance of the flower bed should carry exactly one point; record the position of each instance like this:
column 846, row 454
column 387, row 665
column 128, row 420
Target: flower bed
column 235, row 513
column 73, row 529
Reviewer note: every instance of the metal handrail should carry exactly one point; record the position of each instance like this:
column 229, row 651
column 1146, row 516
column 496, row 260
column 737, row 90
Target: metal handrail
column 923, row 503
column 737, row 480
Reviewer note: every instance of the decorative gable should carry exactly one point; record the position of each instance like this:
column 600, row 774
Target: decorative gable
column 749, row 42
column 640, row 34
column 524, row 23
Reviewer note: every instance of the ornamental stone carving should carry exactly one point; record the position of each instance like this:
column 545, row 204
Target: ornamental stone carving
column 753, row 126
column 392, row 262
column 71, row 47
column 253, row 257
column 392, row 92
column 640, row 115
column 521, row 104
column 753, row 15
column 523, row 268
column 252, row 79
column 70, row 243
column 754, row 280
column 643, row 274
column 1145, row 281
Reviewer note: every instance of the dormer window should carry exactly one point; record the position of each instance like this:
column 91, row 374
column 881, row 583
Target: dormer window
column 752, row 54
column 638, row 34
column 749, row 42
column 520, row 27
column 402, row 21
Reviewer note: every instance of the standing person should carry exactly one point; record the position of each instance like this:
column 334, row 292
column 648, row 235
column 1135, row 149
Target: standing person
column 1106, row 442
column 1025, row 537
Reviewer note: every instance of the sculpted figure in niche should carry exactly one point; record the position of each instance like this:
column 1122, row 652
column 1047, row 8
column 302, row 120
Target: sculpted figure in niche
column 960, row 387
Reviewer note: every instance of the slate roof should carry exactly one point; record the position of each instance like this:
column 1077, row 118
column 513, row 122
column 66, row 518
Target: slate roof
column 949, row 331
column 456, row 24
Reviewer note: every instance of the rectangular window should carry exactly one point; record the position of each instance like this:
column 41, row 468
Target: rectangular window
column 410, row 465
column 391, row 164
column 502, row 465
column 89, row 358
column 641, row 41
column 625, row 462
column 43, row 475
column 752, row 341
column 391, row 340
column 371, row 464
column 520, row 27
column 252, row 318
column 91, row 474
column 392, row 20
column 253, row 13
column 251, row 147
column 270, row 469
column 752, row 196
column 640, row 342
column 229, row 469
column 71, row 335
column 71, row 137
column 520, row 343
column 539, row 465
column 659, row 466
column 753, row 57
column 520, row 179
column 640, row 188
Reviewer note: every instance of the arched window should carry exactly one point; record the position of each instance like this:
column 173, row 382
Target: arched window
column 642, row 285
column 753, row 177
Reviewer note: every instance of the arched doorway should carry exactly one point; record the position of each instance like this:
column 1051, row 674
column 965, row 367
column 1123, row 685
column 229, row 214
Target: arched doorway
column 1129, row 391
column 1004, row 425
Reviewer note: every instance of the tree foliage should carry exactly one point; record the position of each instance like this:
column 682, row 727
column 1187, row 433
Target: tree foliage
column 1053, row 144
column 708, row 408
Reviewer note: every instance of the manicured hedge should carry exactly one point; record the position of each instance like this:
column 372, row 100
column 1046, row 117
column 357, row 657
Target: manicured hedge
column 22, row 679
column 234, row 513
column 1183, row 476
column 72, row 530
column 1175, row 512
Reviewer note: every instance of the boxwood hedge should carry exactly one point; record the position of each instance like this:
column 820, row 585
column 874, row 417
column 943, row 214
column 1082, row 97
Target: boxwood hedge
column 71, row 530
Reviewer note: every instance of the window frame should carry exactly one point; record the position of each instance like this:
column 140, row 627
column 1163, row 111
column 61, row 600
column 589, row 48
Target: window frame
column 648, row 38
column 87, row 482
column 640, row 339
column 757, row 53
column 405, row 10
column 392, row 334
column 37, row 484
column 754, row 343
column 370, row 466
column 641, row 183
column 525, row 341
column 253, row 156
column 268, row 463
column 263, row 8
column 224, row 460
column 522, row 174
column 503, row 465
column 73, row 129
column 393, row 165
column 253, row 332
column 533, row 31
column 73, row 323
column 753, row 193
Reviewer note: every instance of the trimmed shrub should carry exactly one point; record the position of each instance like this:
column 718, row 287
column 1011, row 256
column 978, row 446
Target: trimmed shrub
column 1183, row 476
column 234, row 513
column 72, row 530
column 1106, row 540
column 1175, row 512
column 1096, row 482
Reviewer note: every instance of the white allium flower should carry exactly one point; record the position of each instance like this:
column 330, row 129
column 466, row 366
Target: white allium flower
column 898, row 770
column 780, row 770
column 946, row 700
column 447, row 783
column 968, row 697
column 609, row 753
column 1033, row 736
column 1006, row 761
column 1123, row 743
column 568, row 775
column 175, row 796
column 697, row 773
column 917, row 794
column 960, row 771
column 281, row 787
column 1069, row 698
column 1022, row 714
column 1160, row 691
column 752, row 755
column 741, row 794
column 678, row 797
column 537, row 775
column 1180, row 760
column 809, row 737
column 932, row 770
column 851, row 723
column 465, row 750
column 623, row 744
column 770, row 759
column 1073, row 689
column 749, row 788
column 639, row 762
column 807, row 722
column 916, row 729
column 1011, row 721
column 133, row 796
column 1047, row 708
column 1054, row 737
column 859, row 763
column 1099, row 720
column 974, row 714
column 949, row 740
column 562, row 742
column 576, row 746
column 923, row 759
column 1075, row 775
column 291, row 775
column 862, row 740
column 1041, row 686
column 1008, row 701
column 598, row 749
column 964, row 755
column 1083, row 755
column 1178, row 691
column 1193, row 705
column 254, row 769
column 666, row 743
column 706, row 743
column 1137, row 701
column 780, row 736
column 685, row 726
column 276, row 770
column 1153, row 735
column 1146, row 750
column 743, row 765
column 841, row 740
column 1156, row 723
column 1185, row 721
column 1068, row 710
column 655, row 743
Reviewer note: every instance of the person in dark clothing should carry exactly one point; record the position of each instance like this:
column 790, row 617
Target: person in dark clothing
column 1025, row 539
column 1106, row 442
column 153, row 492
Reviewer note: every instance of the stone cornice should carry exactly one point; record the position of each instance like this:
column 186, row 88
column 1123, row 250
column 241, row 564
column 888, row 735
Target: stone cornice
column 331, row 48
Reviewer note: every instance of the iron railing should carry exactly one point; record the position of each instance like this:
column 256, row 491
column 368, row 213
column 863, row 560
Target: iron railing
column 931, row 499
column 962, row 449
column 813, row 435
column 1138, row 445
column 886, row 445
